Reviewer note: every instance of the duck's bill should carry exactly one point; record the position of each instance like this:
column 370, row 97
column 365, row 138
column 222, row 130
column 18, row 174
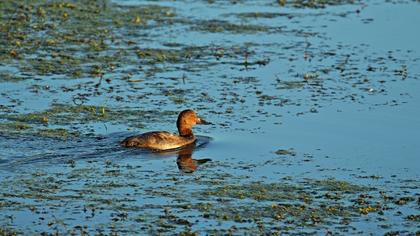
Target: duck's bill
column 201, row 121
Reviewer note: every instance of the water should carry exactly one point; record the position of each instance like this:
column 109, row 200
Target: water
column 314, row 114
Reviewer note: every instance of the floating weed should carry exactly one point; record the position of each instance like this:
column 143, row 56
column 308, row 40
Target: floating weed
column 263, row 15
column 290, row 84
column 283, row 203
column 4, row 231
column 338, row 185
column 367, row 210
column 284, row 152
column 78, row 33
column 314, row 3
column 218, row 26
column 18, row 128
column 310, row 76
column 11, row 77
column 312, row 204
column 404, row 200
column 413, row 218
column 56, row 133
column 295, row 3
column 14, row 126
column 63, row 115
column 256, row 191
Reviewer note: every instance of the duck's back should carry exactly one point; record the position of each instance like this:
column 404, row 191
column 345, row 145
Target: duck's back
column 158, row 140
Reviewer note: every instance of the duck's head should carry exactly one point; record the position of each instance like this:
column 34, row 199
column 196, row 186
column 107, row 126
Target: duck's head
column 186, row 120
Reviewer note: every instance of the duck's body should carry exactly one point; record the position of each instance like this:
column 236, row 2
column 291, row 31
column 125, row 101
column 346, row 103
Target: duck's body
column 158, row 140
column 163, row 140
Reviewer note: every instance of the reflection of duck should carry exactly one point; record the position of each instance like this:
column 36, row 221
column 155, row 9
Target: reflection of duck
column 162, row 140
column 185, row 162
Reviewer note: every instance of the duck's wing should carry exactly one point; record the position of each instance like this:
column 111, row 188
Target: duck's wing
column 158, row 140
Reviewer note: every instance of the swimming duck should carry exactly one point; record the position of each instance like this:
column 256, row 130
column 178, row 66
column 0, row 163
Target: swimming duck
column 163, row 140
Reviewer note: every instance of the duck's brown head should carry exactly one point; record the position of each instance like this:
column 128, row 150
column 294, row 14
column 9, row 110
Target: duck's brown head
column 186, row 120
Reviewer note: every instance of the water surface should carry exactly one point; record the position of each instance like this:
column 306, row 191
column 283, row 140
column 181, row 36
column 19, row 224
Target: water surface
column 314, row 110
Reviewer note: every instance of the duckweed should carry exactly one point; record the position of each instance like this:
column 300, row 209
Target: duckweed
column 289, row 152
column 217, row 26
column 64, row 115
column 278, row 205
column 315, row 3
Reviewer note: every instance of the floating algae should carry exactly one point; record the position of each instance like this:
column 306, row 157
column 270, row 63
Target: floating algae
column 280, row 206
column 65, row 115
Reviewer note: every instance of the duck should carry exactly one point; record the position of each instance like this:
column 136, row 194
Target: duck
column 163, row 140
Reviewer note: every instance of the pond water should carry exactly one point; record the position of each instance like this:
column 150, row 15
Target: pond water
column 314, row 106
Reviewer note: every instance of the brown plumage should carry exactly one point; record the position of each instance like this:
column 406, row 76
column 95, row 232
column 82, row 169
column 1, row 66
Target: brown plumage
column 163, row 140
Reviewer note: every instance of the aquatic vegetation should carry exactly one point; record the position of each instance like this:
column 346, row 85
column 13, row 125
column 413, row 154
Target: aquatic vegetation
column 64, row 115
column 315, row 3
column 224, row 26
column 86, row 40
column 335, row 185
column 290, row 152
column 268, row 15
column 14, row 126
column 414, row 218
column 7, row 232
column 23, row 128
column 281, row 205
column 45, row 38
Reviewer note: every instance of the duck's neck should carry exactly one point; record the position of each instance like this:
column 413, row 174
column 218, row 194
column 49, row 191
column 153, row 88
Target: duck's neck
column 185, row 132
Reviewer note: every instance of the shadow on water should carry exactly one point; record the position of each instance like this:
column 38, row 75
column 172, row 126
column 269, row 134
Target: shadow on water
column 50, row 151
